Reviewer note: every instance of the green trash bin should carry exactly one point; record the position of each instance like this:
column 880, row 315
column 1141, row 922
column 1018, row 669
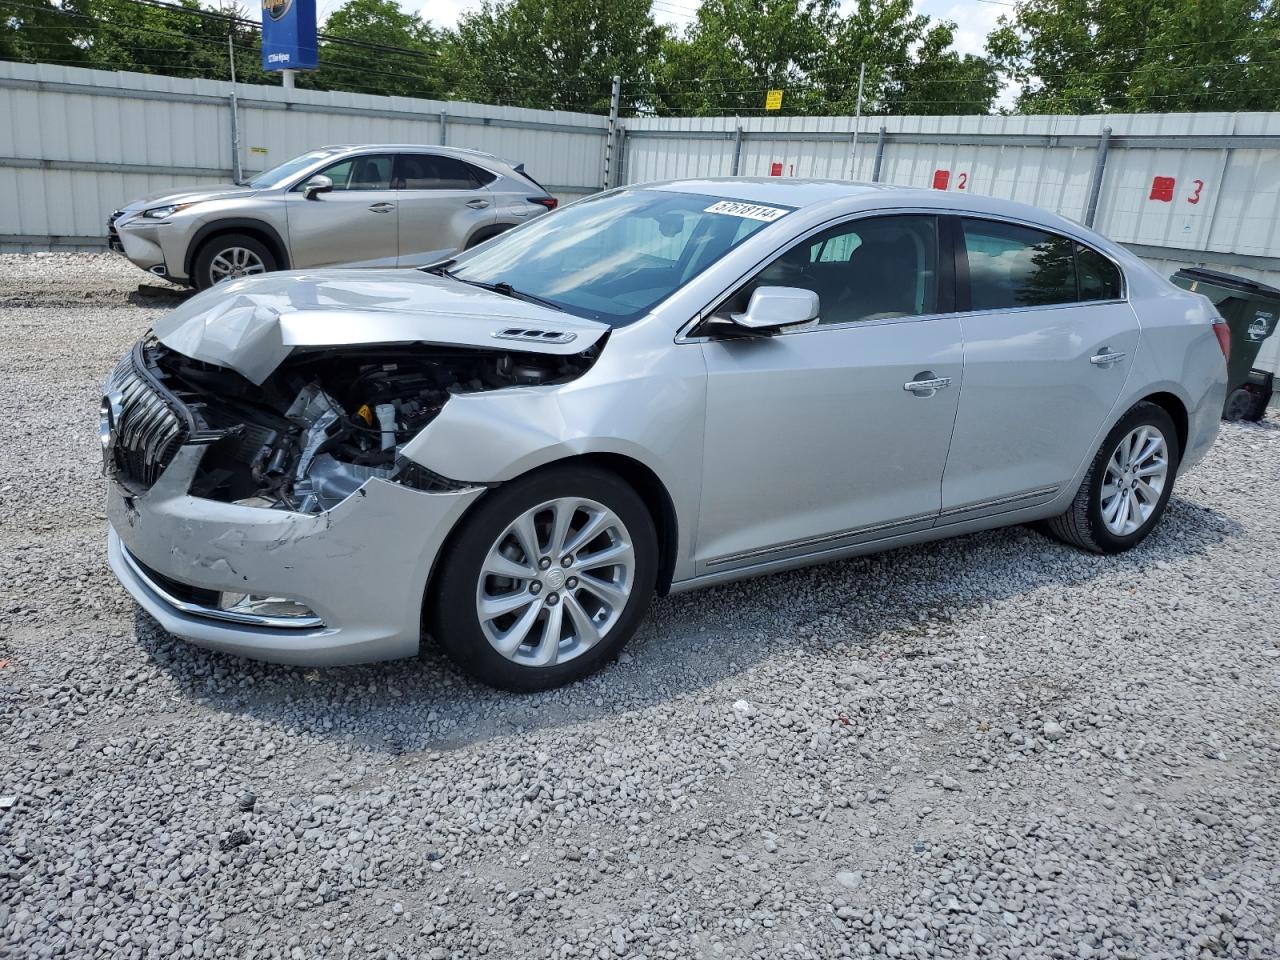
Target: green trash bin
column 1252, row 310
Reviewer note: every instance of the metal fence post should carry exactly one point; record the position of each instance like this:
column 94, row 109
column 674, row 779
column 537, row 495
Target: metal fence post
column 444, row 128
column 611, row 140
column 1099, row 169
column 737, row 151
column 875, row 170
column 620, row 171
column 236, row 173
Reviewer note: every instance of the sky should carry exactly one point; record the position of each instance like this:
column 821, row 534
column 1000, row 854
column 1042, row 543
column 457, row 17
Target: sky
column 976, row 18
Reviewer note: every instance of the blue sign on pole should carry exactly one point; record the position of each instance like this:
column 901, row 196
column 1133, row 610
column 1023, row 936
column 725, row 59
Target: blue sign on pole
column 289, row 35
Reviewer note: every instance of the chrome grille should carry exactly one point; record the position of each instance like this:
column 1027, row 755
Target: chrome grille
column 145, row 431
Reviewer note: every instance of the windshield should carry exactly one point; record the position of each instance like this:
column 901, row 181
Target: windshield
column 615, row 257
column 279, row 176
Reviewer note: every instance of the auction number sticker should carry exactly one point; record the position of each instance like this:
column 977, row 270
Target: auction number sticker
column 750, row 211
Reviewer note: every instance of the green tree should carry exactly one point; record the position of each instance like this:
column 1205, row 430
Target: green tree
column 1088, row 56
column 555, row 54
column 737, row 49
column 373, row 46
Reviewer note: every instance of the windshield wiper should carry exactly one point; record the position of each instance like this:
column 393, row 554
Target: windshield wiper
column 501, row 287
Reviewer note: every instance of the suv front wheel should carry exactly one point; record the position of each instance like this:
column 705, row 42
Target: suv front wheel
column 230, row 255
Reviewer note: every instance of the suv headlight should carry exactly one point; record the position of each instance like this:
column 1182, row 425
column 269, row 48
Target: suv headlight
column 168, row 210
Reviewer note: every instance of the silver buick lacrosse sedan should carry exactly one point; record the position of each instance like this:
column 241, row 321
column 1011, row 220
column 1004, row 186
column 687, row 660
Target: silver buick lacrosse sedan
column 655, row 389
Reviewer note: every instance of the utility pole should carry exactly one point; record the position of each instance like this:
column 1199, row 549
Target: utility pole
column 236, row 173
column 615, row 98
column 857, row 120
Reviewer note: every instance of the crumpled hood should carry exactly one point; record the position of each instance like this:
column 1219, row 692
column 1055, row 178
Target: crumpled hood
column 216, row 191
column 251, row 325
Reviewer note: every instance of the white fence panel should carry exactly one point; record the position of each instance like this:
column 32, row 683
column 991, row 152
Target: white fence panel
column 76, row 144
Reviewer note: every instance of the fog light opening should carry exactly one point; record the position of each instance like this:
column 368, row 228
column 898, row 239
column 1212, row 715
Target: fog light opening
column 258, row 606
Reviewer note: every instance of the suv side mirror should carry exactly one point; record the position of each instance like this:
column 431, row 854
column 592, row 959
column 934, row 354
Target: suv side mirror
column 772, row 308
column 316, row 185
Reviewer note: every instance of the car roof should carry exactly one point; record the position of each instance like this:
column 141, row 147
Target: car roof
column 802, row 192
column 433, row 147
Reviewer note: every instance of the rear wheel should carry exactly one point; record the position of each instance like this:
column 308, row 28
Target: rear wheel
column 547, row 580
column 1127, row 487
column 230, row 255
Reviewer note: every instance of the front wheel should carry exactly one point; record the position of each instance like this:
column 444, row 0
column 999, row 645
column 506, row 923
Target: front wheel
column 230, row 255
column 1127, row 487
column 546, row 580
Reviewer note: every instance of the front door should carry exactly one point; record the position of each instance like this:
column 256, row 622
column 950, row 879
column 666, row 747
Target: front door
column 354, row 224
column 443, row 201
column 1048, row 345
column 814, row 440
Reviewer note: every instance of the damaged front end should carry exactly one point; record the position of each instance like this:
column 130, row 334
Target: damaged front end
column 322, row 424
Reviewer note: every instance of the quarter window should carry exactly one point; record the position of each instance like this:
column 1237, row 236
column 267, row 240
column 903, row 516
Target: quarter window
column 1016, row 266
column 426, row 171
column 868, row 269
column 1099, row 278
column 358, row 173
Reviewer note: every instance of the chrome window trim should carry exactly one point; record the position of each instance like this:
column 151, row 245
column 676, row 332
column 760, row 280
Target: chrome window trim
column 683, row 335
column 212, row 613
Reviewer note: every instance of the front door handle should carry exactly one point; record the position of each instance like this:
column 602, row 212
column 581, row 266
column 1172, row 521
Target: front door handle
column 382, row 207
column 477, row 204
column 1107, row 357
column 926, row 384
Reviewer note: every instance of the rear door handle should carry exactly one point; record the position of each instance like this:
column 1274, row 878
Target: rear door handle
column 477, row 204
column 382, row 207
column 1106, row 357
column 927, row 385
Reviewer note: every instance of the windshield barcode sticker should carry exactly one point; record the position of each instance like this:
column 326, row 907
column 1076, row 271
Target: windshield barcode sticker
column 751, row 211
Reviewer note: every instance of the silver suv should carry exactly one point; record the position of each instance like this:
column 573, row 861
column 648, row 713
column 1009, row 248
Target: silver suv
column 359, row 206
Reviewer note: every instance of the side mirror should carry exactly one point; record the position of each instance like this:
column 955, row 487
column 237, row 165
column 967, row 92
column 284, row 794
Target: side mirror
column 316, row 185
column 772, row 308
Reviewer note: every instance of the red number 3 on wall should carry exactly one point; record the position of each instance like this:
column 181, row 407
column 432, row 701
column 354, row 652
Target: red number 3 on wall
column 1195, row 197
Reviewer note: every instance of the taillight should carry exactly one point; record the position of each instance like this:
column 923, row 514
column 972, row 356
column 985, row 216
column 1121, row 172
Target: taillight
column 549, row 202
column 1223, row 333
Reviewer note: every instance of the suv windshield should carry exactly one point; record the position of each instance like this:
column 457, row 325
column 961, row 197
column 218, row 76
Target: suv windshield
column 278, row 176
column 615, row 257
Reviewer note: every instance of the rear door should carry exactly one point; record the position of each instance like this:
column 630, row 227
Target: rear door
column 354, row 224
column 1048, row 340
column 443, row 201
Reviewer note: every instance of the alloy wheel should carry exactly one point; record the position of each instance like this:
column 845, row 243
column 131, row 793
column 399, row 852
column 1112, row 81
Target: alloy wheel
column 555, row 582
column 1135, row 478
column 235, row 262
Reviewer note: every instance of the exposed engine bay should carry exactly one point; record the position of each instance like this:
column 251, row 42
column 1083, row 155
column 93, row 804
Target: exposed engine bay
column 325, row 421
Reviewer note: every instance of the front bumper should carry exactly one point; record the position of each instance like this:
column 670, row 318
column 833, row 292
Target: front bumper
column 361, row 567
column 157, row 246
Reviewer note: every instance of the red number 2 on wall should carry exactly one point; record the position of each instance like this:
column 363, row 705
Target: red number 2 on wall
column 962, row 181
column 1195, row 197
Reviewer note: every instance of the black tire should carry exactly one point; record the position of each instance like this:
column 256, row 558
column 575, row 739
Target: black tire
column 1082, row 524
column 201, row 275
column 1240, row 405
column 487, row 233
column 452, row 618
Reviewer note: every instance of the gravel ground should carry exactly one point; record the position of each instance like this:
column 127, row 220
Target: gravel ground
column 990, row 747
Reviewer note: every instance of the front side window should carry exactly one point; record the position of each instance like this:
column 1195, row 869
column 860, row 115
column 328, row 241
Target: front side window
column 1015, row 266
column 876, row 268
column 614, row 257
column 357, row 173
column 426, row 171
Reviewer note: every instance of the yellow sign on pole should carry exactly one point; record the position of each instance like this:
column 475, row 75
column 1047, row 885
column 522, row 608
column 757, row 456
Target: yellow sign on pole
column 773, row 100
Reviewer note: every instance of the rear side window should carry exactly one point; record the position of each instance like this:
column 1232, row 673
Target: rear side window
column 425, row 171
column 1015, row 266
column 1099, row 277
